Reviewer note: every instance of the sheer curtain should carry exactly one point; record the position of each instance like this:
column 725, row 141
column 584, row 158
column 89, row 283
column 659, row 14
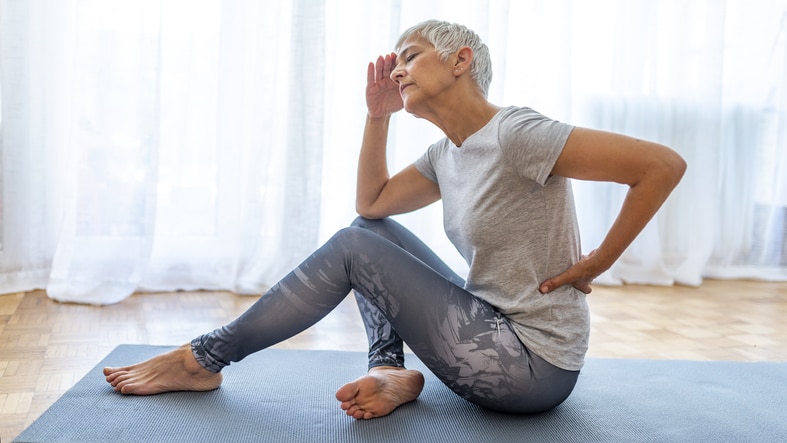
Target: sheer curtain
column 166, row 145
column 707, row 78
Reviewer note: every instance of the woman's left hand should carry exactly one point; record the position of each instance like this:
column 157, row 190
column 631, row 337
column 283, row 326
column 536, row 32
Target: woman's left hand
column 580, row 276
column 649, row 169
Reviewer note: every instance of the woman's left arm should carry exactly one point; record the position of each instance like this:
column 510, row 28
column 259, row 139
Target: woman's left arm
column 650, row 170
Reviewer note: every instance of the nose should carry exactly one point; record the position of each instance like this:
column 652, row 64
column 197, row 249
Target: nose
column 396, row 74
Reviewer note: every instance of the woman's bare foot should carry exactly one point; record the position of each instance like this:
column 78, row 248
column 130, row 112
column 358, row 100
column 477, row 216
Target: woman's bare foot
column 176, row 370
column 380, row 391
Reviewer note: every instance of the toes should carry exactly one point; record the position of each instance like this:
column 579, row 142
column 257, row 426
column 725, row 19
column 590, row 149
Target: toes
column 126, row 388
column 347, row 392
column 118, row 378
column 111, row 374
column 117, row 386
column 357, row 413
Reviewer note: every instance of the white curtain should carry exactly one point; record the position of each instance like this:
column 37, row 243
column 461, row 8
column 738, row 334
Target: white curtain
column 172, row 144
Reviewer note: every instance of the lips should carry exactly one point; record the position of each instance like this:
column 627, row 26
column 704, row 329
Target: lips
column 403, row 87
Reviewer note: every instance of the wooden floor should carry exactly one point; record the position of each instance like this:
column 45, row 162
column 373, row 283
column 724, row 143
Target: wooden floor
column 46, row 347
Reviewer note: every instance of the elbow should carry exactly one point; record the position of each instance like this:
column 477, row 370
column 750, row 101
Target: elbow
column 363, row 213
column 675, row 167
column 366, row 212
column 665, row 166
column 362, row 210
column 664, row 170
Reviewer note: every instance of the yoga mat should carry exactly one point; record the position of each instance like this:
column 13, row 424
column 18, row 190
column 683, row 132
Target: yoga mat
column 288, row 396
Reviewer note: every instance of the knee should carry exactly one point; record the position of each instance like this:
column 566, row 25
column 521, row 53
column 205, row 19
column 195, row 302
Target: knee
column 385, row 227
column 368, row 223
column 350, row 237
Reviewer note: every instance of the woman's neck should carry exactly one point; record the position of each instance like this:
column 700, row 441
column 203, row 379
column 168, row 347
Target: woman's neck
column 463, row 118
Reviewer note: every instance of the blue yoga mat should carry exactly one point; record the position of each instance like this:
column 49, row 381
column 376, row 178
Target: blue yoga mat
column 288, row 396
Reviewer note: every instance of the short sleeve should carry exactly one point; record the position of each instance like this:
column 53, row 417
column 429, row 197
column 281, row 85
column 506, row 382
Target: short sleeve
column 532, row 142
column 425, row 163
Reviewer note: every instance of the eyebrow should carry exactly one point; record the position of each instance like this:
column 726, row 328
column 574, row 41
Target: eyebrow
column 403, row 54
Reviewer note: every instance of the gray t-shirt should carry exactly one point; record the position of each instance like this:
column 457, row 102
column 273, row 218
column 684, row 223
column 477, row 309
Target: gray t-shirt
column 516, row 226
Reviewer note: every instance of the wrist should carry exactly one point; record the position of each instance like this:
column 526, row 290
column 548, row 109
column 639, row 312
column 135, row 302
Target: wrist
column 378, row 118
column 600, row 260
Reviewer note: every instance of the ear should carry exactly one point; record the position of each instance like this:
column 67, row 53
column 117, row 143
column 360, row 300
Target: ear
column 462, row 60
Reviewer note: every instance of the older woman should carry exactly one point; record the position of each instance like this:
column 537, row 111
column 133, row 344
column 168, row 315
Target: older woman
column 511, row 337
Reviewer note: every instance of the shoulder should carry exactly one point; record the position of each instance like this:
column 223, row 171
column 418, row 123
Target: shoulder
column 531, row 141
column 438, row 149
column 429, row 161
column 526, row 128
column 519, row 114
column 518, row 121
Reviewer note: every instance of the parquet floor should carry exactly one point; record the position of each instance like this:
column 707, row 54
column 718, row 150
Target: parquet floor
column 46, row 347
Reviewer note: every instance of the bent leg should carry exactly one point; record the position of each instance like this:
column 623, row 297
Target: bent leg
column 468, row 345
column 385, row 346
column 295, row 303
column 463, row 340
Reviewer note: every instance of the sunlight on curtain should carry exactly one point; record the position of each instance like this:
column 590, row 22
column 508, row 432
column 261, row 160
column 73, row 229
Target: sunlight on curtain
column 110, row 186
column 241, row 144
column 199, row 167
column 165, row 145
column 697, row 79
column 34, row 92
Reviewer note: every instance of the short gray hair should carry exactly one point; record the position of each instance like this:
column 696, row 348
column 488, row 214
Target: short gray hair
column 448, row 38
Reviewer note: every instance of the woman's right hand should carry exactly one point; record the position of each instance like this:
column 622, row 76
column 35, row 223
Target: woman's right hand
column 382, row 93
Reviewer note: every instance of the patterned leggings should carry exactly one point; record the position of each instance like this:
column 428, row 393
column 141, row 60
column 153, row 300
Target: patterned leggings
column 405, row 293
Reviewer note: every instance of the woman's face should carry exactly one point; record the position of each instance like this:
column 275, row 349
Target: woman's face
column 420, row 73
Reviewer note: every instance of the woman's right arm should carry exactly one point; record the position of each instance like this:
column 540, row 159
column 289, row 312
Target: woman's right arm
column 378, row 195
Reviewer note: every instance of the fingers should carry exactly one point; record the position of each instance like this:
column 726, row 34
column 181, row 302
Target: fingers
column 380, row 70
column 549, row 286
column 374, row 71
column 558, row 280
column 584, row 287
column 580, row 276
column 370, row 73
column 552, row 284
column 390, row 62
column 569, row 277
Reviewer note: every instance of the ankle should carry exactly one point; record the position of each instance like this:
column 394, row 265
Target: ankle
column 386, row 368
